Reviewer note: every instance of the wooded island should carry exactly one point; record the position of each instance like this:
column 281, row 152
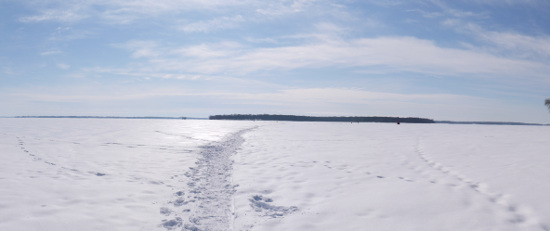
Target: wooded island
column 379, row 119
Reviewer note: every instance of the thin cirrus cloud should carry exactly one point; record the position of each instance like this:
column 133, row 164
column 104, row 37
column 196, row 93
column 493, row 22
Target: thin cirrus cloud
column 72, row 14
column 520, row 45
column 512, row 2
column 276, row 8
column 213, row 24
column 63, row 66
column 119, row 11
column 400, row 54
column 50, row 52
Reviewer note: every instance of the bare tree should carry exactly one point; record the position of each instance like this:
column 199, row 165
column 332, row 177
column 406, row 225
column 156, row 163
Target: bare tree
column 547, row 103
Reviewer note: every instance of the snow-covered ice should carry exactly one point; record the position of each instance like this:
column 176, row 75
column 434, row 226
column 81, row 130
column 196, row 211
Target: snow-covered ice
column 117, row 174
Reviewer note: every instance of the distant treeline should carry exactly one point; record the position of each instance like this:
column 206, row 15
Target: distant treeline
column 358, row 119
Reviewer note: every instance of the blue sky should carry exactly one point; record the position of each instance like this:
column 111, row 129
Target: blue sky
column 482, row 60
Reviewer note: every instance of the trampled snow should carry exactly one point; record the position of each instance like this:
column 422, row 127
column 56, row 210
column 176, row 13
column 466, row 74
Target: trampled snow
column 119, row 174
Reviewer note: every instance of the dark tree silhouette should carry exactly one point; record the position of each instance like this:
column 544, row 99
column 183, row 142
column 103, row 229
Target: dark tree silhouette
column 352, row 119
column 547, row 103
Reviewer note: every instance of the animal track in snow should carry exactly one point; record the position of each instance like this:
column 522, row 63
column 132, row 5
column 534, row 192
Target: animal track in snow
column 171, row 148
column 35, row 157
column 521, row 217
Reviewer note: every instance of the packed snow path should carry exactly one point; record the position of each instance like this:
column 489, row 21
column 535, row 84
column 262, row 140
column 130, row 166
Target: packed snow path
column 207, row 203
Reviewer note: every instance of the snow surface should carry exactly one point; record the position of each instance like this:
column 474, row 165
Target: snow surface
column 120, row 174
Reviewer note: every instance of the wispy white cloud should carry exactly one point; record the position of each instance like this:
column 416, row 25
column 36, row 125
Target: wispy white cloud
column 391, row 54
column 444, row 10
column 143, row 73
column 209, row 51
column 512, row 43
column 147, row 7
column 511, row 2
column 522, row 45
column 142, row 49
column 220, row 11
column 122, row 11
column 69, row 14
column 50, row 52
column 285, row 7
column 72, row 97
column 63, row 66
column 213, row 24
column 68, row 33
column 427, row 14
column 386, row 3
column 117, row 11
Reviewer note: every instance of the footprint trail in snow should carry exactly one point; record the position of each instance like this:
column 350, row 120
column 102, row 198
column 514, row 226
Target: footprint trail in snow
column 208, row 203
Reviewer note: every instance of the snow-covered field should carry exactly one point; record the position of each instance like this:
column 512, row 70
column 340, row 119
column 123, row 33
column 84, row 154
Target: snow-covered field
column 116, row 174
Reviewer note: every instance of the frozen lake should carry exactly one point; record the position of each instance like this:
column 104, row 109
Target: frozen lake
column 121, row 174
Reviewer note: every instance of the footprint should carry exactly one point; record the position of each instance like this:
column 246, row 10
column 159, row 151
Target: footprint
column 180, row 193
column 179, row 202
column 172, row 224
column 260, row 204
column 165, row 211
